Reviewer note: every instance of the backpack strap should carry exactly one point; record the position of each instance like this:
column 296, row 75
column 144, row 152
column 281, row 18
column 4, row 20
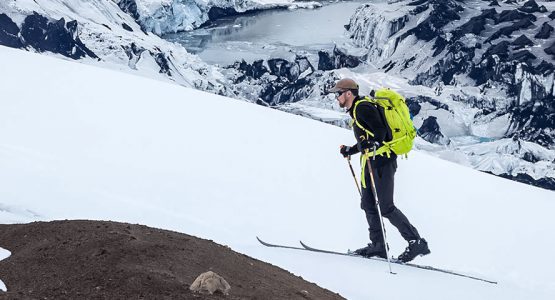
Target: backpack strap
column 385, row 149
column 365, row 100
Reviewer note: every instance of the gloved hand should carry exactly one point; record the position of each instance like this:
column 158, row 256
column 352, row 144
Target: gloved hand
column 368, row 145
column 345, row 150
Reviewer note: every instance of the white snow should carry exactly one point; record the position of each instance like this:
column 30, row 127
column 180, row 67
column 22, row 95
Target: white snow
column 460, row 123
column 100, row 29
column 80, row 142
column 189, row 70
column 3, row 255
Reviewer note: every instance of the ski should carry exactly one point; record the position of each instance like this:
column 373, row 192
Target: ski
column 305, row 247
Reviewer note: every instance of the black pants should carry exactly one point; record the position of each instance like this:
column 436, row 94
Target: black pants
column 384, row 178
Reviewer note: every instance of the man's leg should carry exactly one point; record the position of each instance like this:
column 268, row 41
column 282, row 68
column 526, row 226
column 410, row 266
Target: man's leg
column 368, row 204
column 377, row 245
column 384, row 184
column 385, row 178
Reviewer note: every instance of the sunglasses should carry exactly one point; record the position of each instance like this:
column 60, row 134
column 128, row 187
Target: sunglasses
column 339, row 93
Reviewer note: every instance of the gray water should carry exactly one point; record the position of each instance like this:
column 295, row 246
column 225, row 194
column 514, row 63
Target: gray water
column 265, row 34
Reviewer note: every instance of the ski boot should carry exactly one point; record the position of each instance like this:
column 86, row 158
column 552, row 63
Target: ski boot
column 415, row 248
column 372, row 250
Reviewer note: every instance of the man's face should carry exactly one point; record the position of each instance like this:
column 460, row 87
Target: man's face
column 342, row 98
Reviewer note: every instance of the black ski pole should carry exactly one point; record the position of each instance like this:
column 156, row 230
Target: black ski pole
column 354, row 176
column 378, row 205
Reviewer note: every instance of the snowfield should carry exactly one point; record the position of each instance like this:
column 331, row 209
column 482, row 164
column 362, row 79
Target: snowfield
column 81, row 142
column 3, row 255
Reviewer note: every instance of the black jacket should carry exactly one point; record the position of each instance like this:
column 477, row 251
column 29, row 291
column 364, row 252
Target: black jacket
column 372, row 118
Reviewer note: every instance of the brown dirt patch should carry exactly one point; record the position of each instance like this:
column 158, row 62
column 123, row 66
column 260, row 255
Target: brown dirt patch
column 109, row 260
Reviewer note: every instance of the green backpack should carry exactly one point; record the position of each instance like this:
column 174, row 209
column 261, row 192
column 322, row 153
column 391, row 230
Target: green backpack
column 398, row 118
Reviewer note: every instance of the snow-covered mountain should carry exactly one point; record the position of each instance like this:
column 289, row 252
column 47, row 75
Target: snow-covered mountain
column 164, row 16
column 117, row 34
column 139, row 150
column 99, row 32
column 498, row 53
column 454, row 112
column 474, row 72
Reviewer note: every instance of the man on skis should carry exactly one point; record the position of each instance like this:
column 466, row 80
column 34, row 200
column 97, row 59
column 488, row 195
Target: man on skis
column 371, row 131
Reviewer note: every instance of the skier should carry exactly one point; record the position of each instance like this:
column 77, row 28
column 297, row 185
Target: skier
column 372, row 119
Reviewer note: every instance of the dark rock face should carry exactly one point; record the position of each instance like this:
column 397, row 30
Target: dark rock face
column 535, row 121
column 281, row 81
column 545, row 31
column 544, row 68
column 9, row 33
column 127, row 27
column 521, row 42
column 476, row 24
column 431, row 132
column 546, row 183
column 414, row 106
column 60, row 37
column 290, row 70
column 255, row 71
column 282, row 68
column 338, row 59
column 390, row 65
column 134, row 53
column 500, row 63
column 523, row 56
column 508, row 30
column 217, row 12
column 550, row 50
column 57, row 37
column 530, row 7
column 419, row 9
column 129, row 7
column 496, row 53
column 133, row 50
column 163, row 62
column 443, row 13
column 514, row 15
column 501, row 50
column 458, row 59
column 414, row 102
column 42, row 35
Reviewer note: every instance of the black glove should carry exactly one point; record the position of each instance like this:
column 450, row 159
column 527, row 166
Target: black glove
column 368, row 145
column 347, row 151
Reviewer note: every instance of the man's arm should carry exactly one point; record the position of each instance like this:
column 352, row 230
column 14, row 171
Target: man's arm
column 370, row 118
column 348, row 151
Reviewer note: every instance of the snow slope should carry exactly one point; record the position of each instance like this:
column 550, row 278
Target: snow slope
column 3, row 255
column 118, row 41
column 90, row 143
